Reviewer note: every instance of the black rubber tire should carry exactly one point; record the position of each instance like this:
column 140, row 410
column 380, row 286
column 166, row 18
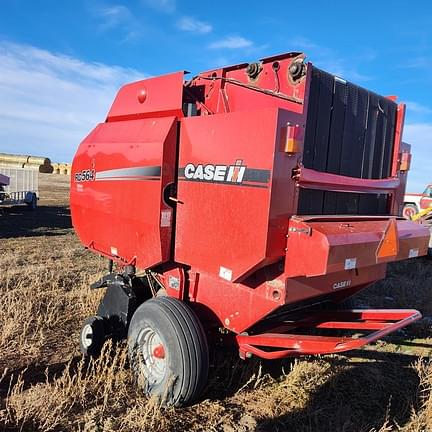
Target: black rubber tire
column 185, row 347
column 97, row 338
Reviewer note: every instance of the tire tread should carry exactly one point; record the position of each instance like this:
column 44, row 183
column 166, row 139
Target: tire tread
column 185, row 327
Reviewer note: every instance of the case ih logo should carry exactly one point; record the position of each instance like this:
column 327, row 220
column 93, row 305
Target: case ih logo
column 216, row 173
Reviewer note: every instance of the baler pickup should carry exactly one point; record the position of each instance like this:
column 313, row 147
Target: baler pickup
column 279, row 343
column 318, row 245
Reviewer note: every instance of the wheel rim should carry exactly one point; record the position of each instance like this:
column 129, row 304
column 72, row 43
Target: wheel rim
column 409, row 212
column 152, row 356
column 87, row 336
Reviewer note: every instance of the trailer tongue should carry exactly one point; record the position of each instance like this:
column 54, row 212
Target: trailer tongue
column 243, row 205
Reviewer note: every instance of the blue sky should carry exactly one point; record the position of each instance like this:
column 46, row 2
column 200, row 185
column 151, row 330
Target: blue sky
column 62, row 62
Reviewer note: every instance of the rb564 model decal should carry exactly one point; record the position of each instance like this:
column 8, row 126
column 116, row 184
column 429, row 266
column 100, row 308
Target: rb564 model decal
column 85, row 175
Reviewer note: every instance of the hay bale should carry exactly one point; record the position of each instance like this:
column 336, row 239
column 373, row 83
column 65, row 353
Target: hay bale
column 42, row 164
column 45, row 169
column 11, row 164
column 56, row 168
column 65, row 168
column 31, row 166
column 38, row 160
column 12, row 158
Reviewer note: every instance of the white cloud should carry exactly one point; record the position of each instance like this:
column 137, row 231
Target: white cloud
column 417, row 108
column 231, row 42
column 119, row 18
column 167, row 6
column 49, row 102
column 419, row 135
column 113, row 16
column 193, row 25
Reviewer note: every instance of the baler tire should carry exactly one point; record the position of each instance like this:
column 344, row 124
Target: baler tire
column 177, row 329
column 97, row 326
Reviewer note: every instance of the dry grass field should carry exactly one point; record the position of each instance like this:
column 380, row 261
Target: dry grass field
column 46, row 386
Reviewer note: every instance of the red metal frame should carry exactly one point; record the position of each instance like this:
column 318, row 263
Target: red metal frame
column 311, row 179
column 381, row 321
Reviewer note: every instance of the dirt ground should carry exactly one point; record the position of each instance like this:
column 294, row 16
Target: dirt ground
column 45, row 384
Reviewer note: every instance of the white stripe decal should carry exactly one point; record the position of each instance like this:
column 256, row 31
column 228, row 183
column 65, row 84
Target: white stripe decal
column 133, row 173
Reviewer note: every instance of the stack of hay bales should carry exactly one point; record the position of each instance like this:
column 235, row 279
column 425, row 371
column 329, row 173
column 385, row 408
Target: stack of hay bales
column 42, row 164
column 62, row 168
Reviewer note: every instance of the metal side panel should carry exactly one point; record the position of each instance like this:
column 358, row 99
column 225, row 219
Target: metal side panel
column 224, row 192
column 318, row 245
column 154, row 97
column 118, row 179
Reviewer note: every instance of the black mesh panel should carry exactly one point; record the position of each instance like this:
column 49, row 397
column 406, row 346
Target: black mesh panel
column 350, row 132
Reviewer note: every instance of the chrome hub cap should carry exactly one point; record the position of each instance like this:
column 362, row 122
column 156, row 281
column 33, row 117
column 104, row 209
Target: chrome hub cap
column 87, row 335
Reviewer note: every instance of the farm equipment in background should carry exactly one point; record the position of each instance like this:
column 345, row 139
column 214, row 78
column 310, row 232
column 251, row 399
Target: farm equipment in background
column 22, row 187
column 415, row 202
column 242, row 206
column 4, row 182
column 418, row 208
column 425, row 218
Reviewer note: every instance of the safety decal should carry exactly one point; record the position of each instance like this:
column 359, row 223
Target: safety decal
column 413, row 253
column 350, row 263
column 165, row 218
column 225, row 273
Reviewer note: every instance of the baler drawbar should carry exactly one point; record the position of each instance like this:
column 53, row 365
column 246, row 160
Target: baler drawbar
column 244, row 206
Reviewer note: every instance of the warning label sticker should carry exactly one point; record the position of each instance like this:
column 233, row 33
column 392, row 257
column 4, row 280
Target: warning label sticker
column 413, row 253
column 225, row 273
column 350, row 263
column 165, row 218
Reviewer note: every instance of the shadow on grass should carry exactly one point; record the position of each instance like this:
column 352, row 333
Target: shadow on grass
column 36, row 373
column 366, row 388
column 20, row 221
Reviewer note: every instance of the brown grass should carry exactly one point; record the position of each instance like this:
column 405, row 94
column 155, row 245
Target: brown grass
column 46, row 386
